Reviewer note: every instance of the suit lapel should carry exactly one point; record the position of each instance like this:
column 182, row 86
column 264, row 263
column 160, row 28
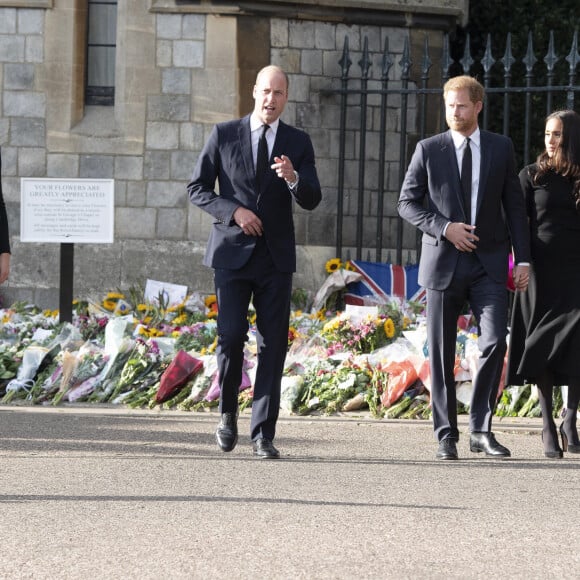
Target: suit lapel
column 245, row 139
column 449, row 148
column 484, row 167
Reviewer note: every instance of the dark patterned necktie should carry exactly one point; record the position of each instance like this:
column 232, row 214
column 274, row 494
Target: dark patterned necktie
column 466, row 172
column 262, row 159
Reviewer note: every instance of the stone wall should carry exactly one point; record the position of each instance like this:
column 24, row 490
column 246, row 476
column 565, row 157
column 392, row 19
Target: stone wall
column 180, row 68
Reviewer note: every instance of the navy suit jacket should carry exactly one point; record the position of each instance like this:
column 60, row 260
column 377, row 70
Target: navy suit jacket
column 227, row 158
column 431, row 197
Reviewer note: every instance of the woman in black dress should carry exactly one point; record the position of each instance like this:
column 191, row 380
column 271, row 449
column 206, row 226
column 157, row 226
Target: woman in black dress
column 545, row 332
column 4, row 237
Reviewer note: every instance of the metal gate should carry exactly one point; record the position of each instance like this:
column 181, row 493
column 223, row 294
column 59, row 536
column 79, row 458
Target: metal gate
column 519, row 106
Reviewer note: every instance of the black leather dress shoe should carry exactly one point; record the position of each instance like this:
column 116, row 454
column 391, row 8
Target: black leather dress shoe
column 264, row 449
column 447, row 449
column 486, row 442
column 227, row 431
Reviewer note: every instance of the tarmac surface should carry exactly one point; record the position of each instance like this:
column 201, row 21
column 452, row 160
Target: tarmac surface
column 105, row 492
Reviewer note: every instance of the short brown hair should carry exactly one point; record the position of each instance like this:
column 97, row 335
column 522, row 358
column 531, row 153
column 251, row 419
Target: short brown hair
column 475, row 88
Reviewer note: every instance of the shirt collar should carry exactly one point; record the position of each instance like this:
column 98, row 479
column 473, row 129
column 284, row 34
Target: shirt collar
column 256, row 123
column 459, row 139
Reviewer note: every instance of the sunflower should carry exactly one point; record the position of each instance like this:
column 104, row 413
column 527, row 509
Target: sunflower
column 115, row 296
column 348, row 266
column 210, row 301
column 333, row 265
column 109, row 305
column 389, row 328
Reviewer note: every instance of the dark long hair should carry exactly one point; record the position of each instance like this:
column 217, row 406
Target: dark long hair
column 566, row 158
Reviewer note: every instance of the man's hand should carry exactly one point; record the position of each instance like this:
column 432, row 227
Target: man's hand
column 250, row 223
column 461, row 236
column 284, row 169
column 521, row 277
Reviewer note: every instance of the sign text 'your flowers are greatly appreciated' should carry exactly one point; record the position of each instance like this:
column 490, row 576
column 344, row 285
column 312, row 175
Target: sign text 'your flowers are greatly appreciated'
column 67, row 210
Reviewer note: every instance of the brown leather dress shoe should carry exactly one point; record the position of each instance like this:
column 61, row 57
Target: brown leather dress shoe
column 482, row 441
column 264, row 449
column 227, row 431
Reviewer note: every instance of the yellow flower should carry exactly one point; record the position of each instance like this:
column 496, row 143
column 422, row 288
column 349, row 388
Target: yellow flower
column 348, row 266
column 210, row 300
column 142, row 307
column 333, row 264
column 406, row 322
column 115, row 296
column 389, row 328
column 252, row 318
column 109, row 305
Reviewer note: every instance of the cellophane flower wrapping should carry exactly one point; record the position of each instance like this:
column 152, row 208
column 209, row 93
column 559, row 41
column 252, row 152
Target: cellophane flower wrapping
column 180, row 370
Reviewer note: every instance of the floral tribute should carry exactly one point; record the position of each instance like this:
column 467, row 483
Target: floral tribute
column 121, row 349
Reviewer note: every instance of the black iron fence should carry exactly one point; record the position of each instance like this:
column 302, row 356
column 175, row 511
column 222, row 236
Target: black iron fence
column 383, row 116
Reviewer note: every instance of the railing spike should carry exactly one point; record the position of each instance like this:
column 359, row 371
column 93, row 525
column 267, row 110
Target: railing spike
column 365, row 61
column 530, row 59
column 551, row 57
column 467, row 61
column 345, row 61
column 487, row 61
column 446, row 60
column 508, row 59
column 387, row 60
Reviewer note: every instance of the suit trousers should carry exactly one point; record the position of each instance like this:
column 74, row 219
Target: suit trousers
column 259, row 282
column 489, row 303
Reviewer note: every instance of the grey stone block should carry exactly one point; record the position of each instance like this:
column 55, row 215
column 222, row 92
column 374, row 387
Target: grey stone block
column 188, row 53
column 12, row 48
column 191, row 136
column 171, row 224
column 168, row 26
column 279, row 32
column 166, row 194
column 193, row 27
column 136, row 194
column 31, row 162
column 34, row 51
column 4, row 131
column 168, row 108
column 302, row 34
column 182, row 164
column 28, row 132
column 133, row 222
column 176, row 81
column 128, row 167
column 19, row 77
column 30, row 21
column 157, row 165
column 62, row 165
column 24, row 104
column 7, row 21
column 97, row 166
column 162, row 135
column 164, row 53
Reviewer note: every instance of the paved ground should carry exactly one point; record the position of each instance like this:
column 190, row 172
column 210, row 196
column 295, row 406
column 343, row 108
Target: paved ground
column 101, row 492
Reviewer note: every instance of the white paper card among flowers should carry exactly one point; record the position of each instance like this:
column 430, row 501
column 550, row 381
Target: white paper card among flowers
column 171, row 294
column 360, row 313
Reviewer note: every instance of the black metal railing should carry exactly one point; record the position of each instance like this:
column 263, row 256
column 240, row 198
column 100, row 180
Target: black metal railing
column 517, row 101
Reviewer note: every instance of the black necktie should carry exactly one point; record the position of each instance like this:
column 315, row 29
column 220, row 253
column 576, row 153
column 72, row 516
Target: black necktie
column 262, row 159
column 466, row 169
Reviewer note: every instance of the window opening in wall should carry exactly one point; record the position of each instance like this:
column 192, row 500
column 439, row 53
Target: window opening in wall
column 101, row 49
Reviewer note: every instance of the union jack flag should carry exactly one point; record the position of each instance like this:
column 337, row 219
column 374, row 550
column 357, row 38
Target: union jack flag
column 383, row 281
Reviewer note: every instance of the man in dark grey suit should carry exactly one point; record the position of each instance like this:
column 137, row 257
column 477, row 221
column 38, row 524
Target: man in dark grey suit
column 261, row 165
column 461, row 190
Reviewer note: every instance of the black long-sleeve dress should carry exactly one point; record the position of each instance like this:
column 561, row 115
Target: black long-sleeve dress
column 545, row 329
column 4, row 234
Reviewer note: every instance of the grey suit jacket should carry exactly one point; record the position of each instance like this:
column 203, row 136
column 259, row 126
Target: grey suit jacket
column 431, row 197
column 227, row 158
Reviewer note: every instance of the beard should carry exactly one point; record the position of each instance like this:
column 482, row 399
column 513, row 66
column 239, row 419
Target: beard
column 460, row 125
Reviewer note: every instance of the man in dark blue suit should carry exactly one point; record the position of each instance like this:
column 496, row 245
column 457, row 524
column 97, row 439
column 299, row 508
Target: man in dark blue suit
column 461, row 190
column 262, row 166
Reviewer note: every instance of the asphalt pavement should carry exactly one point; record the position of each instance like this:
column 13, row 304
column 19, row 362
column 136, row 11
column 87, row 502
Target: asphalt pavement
column 103, row 492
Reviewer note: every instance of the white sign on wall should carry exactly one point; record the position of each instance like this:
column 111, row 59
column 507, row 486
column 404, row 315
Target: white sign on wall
column 76, row 211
